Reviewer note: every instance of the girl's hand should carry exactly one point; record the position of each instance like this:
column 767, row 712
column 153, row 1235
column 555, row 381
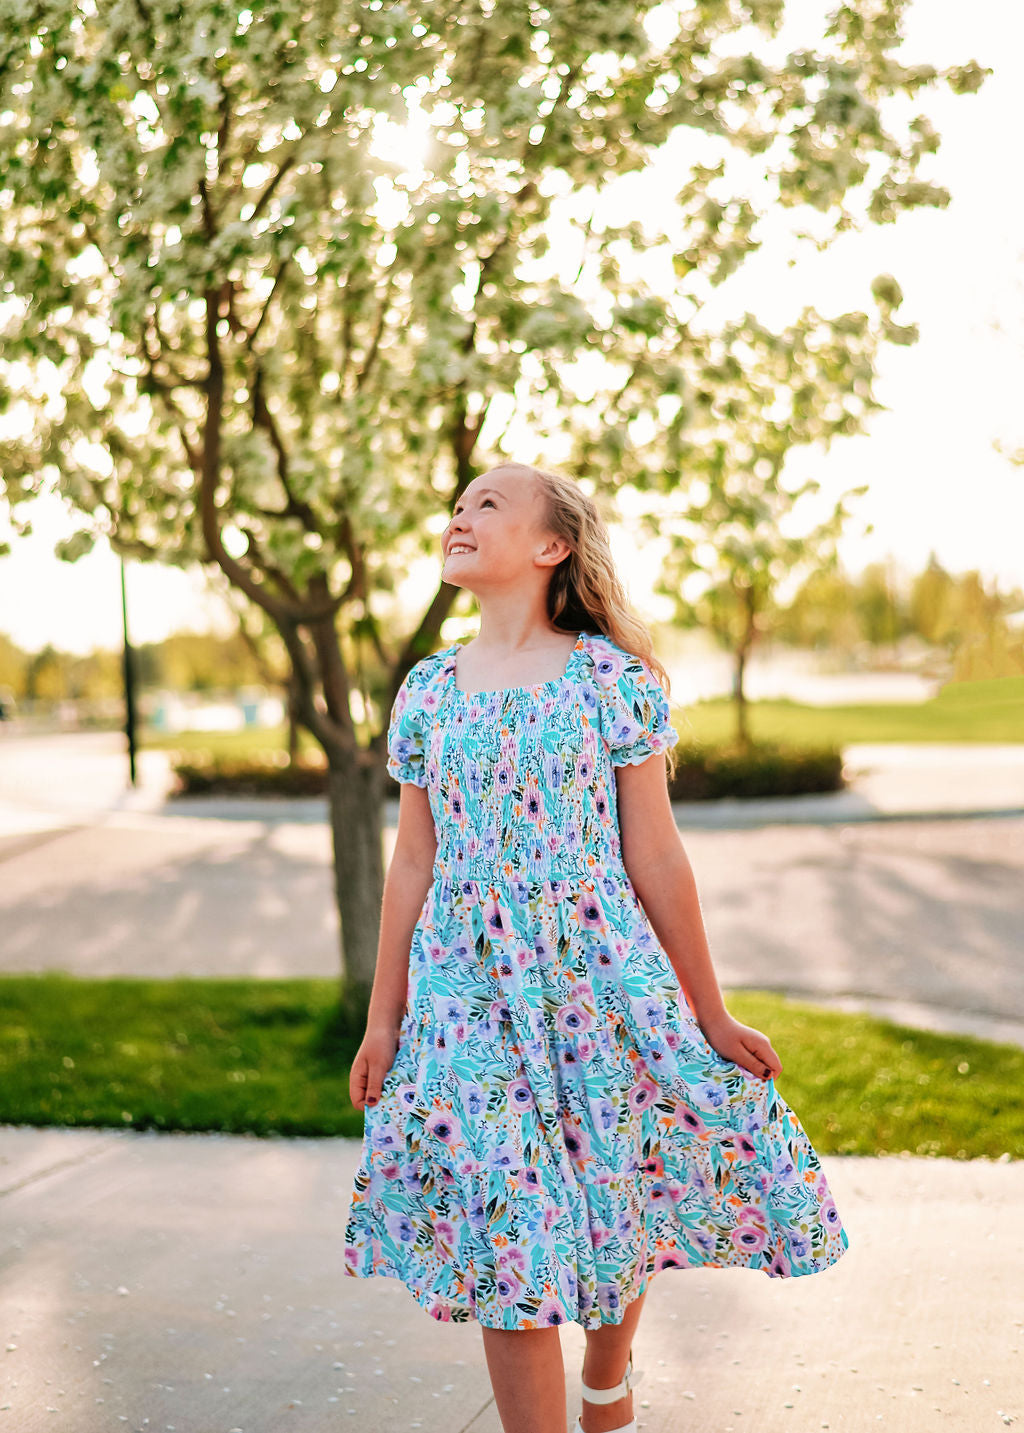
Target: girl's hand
column 373, row 1060
column 743, row 1045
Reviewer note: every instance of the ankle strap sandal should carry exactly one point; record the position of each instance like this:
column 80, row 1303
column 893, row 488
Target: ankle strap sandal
column 612, row 1395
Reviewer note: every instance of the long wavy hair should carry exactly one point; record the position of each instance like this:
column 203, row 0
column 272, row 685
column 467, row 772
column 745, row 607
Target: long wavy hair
column 585, row 592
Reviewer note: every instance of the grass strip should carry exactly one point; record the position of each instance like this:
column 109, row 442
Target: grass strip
column 271, row 1057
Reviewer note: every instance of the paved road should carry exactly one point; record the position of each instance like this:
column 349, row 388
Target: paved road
column 215, row 1302
column 920, row 920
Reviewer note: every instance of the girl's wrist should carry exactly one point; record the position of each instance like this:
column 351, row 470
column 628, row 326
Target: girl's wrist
column 709, row 1017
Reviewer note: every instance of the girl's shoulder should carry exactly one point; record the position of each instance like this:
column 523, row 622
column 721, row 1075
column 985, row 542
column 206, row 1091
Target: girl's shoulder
column 609, row 665
column 426, row 677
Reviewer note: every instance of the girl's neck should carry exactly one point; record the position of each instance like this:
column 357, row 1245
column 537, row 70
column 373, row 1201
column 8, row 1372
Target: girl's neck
column 516, row 624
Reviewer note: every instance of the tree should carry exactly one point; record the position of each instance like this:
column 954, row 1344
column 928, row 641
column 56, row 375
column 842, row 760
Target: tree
column 277, row 350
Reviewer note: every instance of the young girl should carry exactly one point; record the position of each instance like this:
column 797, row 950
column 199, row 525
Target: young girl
column 557, row 1103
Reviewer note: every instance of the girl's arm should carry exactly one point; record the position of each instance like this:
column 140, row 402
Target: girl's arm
column 660, row 873
column 408, row 879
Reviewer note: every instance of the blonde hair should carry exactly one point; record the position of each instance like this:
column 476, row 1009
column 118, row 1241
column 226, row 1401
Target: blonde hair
column 585, row 593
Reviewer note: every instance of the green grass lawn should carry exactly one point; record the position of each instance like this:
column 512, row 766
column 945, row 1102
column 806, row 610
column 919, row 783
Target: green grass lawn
column 272, row 1056
column 963, row 711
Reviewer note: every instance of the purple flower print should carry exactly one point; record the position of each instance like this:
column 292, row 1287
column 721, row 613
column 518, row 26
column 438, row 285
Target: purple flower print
column 605, row 959
column 689, row 1119
column 554, row 771
column 443, row 1126
column 387, row 1136
column 670, row 1259
column 497, row 920
column 474, row 1099
column 589, row 912
column 407, row 1096
column 444, row 1238
column 584, row 770
column 473, row 778
column 533, row 802
column 476, row 1212
column 462, row 950
column 572, row 1018
column 504, row 1156
column 512, row 1256
column 744, row 1147
column 400, row 1228
column 507, row 1287
column 625, row 732
column 402, row 748
column 778, row 1268
column 641, row 1094
column 549, row 1313
column 577, row 1141
column 606, row 1114
column 587, row 693
column 799, row 1245
column 503, row 776
column 711, row 1093
column 609, row 665
column 830, row 1215
column 520, row 1096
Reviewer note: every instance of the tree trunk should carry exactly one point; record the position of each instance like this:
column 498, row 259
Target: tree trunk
column 355, row 792
column 292, row 701
column 740, row 696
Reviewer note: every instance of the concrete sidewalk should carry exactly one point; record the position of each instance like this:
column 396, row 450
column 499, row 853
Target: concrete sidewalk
column 193, row 1284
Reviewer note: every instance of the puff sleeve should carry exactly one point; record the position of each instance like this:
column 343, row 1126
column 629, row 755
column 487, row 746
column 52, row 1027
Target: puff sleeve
column 634, row 710
column 406, row 736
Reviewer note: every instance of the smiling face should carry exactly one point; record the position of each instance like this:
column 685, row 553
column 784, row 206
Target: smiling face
column 497, row 535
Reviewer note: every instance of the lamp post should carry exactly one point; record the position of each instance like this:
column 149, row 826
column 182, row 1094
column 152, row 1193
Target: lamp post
column 129, row 683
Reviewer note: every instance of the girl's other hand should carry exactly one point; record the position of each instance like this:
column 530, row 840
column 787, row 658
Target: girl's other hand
column 373, row 1060
column 743, row 1045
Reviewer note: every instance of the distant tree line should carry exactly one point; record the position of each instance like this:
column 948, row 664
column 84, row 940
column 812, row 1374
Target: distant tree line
column 967, row 619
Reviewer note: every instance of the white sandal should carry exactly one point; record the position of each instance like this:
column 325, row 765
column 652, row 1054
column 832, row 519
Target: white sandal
column 611, row 1395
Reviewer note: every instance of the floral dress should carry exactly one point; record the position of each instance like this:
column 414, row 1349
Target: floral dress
column 555, row 1129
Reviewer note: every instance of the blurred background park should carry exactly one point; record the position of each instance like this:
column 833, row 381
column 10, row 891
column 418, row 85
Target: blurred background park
column 277, row 283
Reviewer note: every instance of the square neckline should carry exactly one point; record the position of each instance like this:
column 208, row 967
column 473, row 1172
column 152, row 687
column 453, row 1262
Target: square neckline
column 506, row 691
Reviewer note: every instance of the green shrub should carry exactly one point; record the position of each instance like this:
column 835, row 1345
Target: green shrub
column 263, row 774
column 706, row 773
